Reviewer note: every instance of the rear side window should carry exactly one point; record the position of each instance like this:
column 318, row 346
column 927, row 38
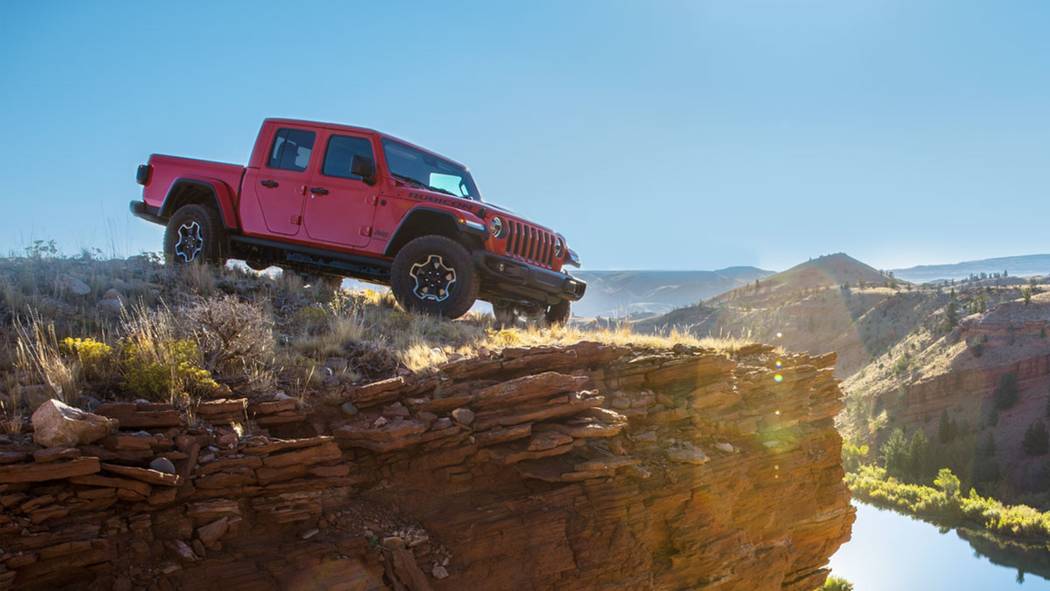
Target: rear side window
column 341, row 152
column 291, row 149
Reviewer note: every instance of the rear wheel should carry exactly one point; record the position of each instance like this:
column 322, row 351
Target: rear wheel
column 435, row 275
column 195, row 234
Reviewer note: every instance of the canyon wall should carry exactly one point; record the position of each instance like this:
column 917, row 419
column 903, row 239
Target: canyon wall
column 583, row 467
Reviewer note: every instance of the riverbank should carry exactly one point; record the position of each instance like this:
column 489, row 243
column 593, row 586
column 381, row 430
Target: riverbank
column 890, row 550
column 944, row 504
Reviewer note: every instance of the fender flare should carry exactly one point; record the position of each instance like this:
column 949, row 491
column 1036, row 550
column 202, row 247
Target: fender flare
column 456, row 219
column 220, row 196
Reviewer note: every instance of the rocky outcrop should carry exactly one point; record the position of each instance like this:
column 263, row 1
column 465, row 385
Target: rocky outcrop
column 584, row 467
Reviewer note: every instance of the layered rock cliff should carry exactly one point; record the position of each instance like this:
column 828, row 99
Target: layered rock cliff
column 584, row 467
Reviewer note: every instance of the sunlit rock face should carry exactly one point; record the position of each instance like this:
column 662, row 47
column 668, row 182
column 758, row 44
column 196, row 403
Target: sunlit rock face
column 584, row 467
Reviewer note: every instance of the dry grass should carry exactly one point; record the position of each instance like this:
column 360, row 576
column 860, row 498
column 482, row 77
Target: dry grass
column 39, row 359
column 250, row 332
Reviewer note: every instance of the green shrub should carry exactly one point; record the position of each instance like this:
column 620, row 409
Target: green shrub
column 837, row 584
column 853, row 455
column 947, row 483
column 164, row 369
column 95, row 357
column 944, row 503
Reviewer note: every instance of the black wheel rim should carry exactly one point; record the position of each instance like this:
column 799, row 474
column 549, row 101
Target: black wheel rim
column 190, row 242
column 434, row 280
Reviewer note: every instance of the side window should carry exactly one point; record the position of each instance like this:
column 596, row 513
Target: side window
column 341, row 152
column 291, row 149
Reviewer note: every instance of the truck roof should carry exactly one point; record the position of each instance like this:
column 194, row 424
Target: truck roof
column 354, row 128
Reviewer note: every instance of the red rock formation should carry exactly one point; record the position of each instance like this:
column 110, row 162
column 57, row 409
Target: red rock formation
column 586, row 467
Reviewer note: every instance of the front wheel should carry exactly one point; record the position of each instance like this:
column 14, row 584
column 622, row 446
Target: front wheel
column 434, row 275
column 195, row 234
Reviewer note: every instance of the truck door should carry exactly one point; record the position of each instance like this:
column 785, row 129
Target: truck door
column 340, row 205
column 280, row 183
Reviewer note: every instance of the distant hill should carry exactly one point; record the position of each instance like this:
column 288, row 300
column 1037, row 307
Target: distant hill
column 830, row 270
column 1021, row 266
column 650, row 293
column 831, row 303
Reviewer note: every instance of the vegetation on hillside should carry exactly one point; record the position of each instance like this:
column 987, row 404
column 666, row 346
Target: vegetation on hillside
column 943, row 502
column 836, row 584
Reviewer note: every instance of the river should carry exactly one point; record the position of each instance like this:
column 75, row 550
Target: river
column 891, row 551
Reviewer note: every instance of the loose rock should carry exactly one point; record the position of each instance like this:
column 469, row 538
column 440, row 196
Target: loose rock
column 56, row 424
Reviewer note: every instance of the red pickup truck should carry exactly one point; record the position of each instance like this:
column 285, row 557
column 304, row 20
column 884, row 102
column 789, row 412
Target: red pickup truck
column 344, row 201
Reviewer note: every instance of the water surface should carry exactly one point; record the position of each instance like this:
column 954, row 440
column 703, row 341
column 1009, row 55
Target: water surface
column 890, row 551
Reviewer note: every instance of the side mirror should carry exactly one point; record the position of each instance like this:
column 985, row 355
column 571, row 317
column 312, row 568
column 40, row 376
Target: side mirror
column 363, row 167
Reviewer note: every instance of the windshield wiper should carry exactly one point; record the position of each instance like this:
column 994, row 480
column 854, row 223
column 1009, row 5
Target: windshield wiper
column 411, row 180
column 422, row 185
column 440, row 190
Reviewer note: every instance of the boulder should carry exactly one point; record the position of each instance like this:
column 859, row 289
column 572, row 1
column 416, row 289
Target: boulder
column 56, row 424
column 111, row 306
column 73, row 285
column 162, row 465
column 687, row 453
column 463, row 416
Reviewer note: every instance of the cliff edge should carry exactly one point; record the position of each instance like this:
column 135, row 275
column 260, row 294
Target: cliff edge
column 588, row 466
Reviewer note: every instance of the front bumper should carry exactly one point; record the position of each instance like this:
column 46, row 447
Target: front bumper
column 508, row 277
column 139, row 209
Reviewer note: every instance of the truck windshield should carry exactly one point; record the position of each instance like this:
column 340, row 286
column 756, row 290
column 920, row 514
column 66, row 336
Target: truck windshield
column 427, row 171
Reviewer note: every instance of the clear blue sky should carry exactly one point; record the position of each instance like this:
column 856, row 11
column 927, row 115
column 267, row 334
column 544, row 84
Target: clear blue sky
column 677, row 135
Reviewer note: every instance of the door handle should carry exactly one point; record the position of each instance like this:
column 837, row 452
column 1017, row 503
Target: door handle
column 269, row 183
column 318, row 190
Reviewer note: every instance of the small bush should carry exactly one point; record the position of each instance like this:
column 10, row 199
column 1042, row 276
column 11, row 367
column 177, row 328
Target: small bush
column 837, row 584
column 95, row 357
column 235, row 339
column 854, row 455
column 158, row 365
column 165, row 369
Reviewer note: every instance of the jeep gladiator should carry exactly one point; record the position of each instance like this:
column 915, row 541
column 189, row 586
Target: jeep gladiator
column 339, row 201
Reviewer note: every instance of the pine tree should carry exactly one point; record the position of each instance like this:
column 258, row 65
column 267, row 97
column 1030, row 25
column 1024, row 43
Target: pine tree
column 1036, row 440
column 918, row 456
column 946, row 428
column 894, row 452
column 1006, row 391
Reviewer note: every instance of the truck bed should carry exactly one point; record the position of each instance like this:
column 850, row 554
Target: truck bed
column 167, row 169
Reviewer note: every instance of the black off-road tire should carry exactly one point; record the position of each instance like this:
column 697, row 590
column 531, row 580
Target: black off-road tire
column 559, row 314
column 434, row 275
column 195, row 234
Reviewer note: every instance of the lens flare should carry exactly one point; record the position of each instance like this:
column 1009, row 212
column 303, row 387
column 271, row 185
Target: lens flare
column 779, row 364
column 778, row 378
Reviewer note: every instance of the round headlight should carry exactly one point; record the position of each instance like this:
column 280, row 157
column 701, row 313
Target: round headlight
column 496, row 227
column 558, row 246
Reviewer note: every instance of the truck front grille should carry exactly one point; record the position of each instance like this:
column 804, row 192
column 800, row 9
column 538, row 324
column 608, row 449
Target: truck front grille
column 530, row 243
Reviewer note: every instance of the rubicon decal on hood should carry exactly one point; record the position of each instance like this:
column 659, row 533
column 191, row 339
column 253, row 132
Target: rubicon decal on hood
column 472, row 207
